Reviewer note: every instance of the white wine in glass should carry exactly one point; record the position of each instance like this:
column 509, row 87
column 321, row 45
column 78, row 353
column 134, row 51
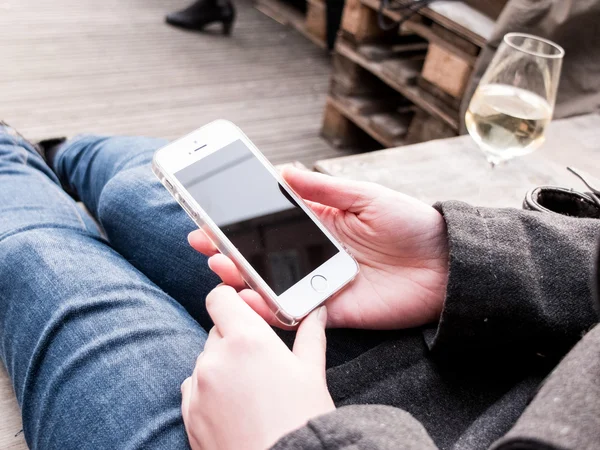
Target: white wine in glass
column 514, row 101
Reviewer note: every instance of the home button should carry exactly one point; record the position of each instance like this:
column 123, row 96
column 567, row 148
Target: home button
column 319, row 283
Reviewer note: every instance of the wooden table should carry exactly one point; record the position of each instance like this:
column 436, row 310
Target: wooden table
column 456, row 169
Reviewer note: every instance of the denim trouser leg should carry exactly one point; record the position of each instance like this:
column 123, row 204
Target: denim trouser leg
column 95, row 350
column 113, row 178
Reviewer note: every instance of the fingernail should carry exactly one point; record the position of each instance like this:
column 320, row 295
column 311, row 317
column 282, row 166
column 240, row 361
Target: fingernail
column 322, row 315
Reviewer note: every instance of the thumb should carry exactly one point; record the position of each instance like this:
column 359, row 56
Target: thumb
column 310, row 343
column 345, row 195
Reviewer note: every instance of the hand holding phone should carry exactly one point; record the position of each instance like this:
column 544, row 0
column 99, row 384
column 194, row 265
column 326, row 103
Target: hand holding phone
column 250, row 214
column 399, row 242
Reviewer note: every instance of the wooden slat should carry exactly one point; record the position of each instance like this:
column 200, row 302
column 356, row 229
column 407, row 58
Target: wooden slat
column 416, row 95
column 316, row 19
column 363, row 123
column 359, row 22
column 287, row 15
column 11, row 436
column 460, row 18
column 426, row 32
column 425, row 127
column 491, row 8
column 447, row 71
column 77, row 68
column 439, row 94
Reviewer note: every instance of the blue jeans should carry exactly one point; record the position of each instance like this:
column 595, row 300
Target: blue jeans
column 101, row 320
column 90, row 332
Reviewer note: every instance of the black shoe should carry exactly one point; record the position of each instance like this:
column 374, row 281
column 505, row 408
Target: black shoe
column 202, row 13
column 48, row 148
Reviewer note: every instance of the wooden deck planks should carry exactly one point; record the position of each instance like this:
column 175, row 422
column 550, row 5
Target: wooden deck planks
column 72, row 66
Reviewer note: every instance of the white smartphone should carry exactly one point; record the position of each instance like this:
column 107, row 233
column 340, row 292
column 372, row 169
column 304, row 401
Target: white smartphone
column 244, row 206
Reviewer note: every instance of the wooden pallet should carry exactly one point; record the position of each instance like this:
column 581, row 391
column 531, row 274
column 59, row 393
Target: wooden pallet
column 454, row 33
column 339, row 121
column 411, row 91
column 313, row 24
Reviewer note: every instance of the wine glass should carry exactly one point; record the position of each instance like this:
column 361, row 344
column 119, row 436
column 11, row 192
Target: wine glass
column 515, row 99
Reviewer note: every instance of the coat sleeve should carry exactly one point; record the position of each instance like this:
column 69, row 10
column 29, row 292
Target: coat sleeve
column 520, row 282
column 360, row 427
column 565, row 413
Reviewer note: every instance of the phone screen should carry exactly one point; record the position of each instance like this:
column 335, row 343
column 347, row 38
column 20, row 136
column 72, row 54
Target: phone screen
column 258, row 216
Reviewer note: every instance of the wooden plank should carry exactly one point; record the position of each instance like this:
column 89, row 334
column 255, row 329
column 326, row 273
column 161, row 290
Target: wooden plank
column 462, row 19
column 288, row 15
column 455, row 169
column 346, row 71
column 336, row 128
column 363, row 123
column 491, row 8
column 371, row 86
column 418, row 25
column 453, row 102
column 380, row 52
column 266, row 78
column 429, row 33
column 447, row 71
column 363, row 105
column 359, row 22
column 316, row 19
column 11, row 434
column 416, row 95
column 442, row 36
column 424, row 127
column 455, row 16
column 391, row 124
column 401, row 70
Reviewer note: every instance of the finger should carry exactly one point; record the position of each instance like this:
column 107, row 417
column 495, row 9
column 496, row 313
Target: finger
column 230, row 313
column 258, row 304
column 213, row 337
column 227, row 271
column 189, row 389
column 186, row 397
column 310, row 343
column 339, row 193
column 201, row 243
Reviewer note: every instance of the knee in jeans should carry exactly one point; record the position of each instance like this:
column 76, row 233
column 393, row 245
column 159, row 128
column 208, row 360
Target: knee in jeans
column 128, row 195
column 28, row 246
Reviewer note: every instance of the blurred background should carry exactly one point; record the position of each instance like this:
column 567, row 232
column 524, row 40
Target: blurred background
column 116, row 67
column 307, row 80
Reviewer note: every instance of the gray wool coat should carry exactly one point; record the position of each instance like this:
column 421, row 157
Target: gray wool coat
column 514, row 362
